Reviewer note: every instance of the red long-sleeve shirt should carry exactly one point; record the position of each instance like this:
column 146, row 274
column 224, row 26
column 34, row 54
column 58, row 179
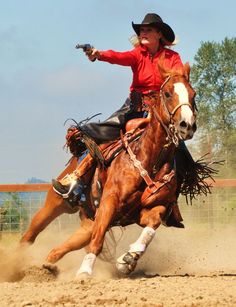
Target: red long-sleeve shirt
column 146, row 76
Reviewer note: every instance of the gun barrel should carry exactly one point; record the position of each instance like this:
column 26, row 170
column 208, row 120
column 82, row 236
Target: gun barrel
column 85, row 47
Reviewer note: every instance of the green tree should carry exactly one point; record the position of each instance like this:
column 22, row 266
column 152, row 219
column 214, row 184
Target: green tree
column 213, row 76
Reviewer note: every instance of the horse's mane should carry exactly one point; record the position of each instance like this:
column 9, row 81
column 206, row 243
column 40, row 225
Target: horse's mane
column 166, row 72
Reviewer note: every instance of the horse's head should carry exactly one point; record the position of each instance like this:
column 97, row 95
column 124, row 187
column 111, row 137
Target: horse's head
column 177, row 103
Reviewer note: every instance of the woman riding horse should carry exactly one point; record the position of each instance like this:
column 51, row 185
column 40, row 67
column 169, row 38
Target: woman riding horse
column 154, row 36
column 140, row 184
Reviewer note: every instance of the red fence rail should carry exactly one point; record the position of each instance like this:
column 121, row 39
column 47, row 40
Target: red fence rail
column 32, row 187
column 218, row 208
column 40, row 187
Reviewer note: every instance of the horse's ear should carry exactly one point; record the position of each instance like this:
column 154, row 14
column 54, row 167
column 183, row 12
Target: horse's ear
column 187, row 70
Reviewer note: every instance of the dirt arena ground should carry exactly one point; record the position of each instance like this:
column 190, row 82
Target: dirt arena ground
column 194, row 266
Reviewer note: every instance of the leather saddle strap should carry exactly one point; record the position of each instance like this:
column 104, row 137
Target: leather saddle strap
column 138, row 164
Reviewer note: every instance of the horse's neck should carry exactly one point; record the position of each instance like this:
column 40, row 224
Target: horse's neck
column 152, row 143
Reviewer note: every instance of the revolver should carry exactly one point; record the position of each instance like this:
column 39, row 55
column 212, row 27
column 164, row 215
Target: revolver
column 85, row 47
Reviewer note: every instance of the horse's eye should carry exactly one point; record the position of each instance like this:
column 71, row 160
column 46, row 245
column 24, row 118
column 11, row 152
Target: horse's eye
column 167, row 94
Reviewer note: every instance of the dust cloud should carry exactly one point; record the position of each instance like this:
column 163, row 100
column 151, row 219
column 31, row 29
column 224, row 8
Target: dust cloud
column 182, row 267
column 195, row 250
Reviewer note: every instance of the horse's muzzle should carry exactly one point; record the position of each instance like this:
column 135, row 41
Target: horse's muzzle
column 186, row 130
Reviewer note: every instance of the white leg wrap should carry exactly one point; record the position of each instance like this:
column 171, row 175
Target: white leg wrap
column 143, row 241
column 87, row 264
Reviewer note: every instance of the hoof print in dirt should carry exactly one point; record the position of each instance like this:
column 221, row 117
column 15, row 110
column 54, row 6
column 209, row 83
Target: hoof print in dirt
column 52, row 268
column 39, row 274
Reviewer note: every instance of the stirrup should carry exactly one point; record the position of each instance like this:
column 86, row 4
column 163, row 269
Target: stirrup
column 62, row 190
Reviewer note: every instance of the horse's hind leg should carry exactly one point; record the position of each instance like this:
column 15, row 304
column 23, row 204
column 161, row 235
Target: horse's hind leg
column 78, row 240
column 150, row 220
column 53, row 207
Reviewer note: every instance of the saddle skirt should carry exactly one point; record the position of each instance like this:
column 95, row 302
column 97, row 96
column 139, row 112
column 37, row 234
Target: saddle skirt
column 134, row 129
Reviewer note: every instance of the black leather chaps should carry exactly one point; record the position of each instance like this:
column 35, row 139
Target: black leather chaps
column 109, row 130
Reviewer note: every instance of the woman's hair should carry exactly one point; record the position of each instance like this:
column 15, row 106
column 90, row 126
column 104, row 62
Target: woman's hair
column 164, row 42
column 134, row 40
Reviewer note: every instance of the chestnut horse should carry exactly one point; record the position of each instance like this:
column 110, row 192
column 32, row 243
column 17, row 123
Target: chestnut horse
column 125, row 197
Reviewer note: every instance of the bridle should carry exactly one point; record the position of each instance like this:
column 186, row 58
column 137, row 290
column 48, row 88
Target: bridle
column 172, row 133
column 163, row 101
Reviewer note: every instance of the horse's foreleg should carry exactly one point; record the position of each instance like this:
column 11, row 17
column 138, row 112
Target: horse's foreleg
column 78, row 240
column 152, row 217
column 150, row 220
column 102, row 221
column 53, row 207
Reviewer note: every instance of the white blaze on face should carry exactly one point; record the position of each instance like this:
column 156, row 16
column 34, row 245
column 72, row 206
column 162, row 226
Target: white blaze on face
column 186, row 112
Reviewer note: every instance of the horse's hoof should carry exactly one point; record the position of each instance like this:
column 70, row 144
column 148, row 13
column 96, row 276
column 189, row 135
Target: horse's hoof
column 52, row 268
column 127, row 263
column 123, row 268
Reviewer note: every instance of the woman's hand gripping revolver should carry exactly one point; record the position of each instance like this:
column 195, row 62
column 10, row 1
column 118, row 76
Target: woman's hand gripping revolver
column 91, row 52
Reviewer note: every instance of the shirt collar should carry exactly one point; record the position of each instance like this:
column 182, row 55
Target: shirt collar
column 144, row 49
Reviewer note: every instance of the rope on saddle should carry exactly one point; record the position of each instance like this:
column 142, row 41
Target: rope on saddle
column 78, row 141
column 82, row 122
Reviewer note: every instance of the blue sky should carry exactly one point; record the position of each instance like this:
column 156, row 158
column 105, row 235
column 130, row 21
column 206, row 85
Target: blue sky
column 44, row 80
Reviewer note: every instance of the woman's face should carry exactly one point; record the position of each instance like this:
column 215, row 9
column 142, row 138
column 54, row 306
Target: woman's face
column 149, row 36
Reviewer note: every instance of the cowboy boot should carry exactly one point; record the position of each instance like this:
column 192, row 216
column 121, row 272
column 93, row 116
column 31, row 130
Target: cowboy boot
column 66, row 185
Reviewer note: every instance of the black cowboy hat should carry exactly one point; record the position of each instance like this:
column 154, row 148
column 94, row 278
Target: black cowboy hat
column 155, row 20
